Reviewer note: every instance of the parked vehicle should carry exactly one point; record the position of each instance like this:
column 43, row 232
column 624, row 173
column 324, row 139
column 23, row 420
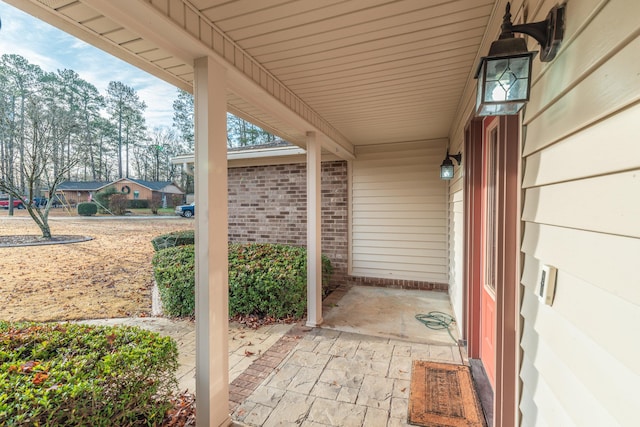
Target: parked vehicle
column 17, row 204
column 186, row 211
column 39, row 202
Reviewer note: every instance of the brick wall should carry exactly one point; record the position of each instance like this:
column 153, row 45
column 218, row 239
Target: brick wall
column 268, row 204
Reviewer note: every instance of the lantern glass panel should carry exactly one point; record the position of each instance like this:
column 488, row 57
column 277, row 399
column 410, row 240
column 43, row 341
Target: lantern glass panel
column 446, row 172
column 503, row 84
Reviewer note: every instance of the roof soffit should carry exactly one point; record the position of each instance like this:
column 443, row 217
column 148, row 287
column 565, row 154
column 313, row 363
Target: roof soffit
column 356, row 73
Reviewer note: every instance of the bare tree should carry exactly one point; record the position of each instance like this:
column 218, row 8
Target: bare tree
column 42, row 136
column 18, row 78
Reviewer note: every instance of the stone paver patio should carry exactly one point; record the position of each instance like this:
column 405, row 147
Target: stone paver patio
column 334, row 378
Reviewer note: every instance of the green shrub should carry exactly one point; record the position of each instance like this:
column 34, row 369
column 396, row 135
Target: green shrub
column 103, row 197
column 138, row 204
column 176, row 238
column 264, row 279
column 87, row 209
column 79, row 375
column 174, row 271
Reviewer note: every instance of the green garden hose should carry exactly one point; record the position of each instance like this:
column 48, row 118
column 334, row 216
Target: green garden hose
column 437, row 320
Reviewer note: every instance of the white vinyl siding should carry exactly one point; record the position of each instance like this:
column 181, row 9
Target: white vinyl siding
column 581, row 214
column 399, row 212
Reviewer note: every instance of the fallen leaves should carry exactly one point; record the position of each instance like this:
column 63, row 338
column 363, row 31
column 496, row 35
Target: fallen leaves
column 183, row 412
column 27, row 367
column 39, row 378
column 111, row 339
column 40, row 373
column 255, row 322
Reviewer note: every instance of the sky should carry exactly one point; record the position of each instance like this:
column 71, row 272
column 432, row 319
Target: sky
column 53, row 50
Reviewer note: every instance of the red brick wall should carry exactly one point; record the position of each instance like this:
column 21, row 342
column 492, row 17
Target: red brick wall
column 268, row 204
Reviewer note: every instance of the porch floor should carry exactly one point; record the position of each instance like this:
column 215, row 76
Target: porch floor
column 355, row 370
column 388, row 313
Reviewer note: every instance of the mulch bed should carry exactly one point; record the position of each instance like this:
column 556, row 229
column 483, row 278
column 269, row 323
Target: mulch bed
column 33, row 240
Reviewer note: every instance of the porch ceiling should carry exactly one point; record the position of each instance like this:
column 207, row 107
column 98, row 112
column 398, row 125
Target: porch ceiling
column 360, row 71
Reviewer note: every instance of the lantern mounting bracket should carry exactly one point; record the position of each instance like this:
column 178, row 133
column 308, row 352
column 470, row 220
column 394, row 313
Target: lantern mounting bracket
column 548, row 33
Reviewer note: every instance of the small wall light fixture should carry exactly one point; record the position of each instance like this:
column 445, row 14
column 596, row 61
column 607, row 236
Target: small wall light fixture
column 504, row 76
column 446, row 168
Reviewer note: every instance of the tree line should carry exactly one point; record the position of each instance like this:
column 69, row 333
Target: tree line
column 56, row 126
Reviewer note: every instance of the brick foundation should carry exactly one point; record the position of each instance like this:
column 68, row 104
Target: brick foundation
column 396, row 283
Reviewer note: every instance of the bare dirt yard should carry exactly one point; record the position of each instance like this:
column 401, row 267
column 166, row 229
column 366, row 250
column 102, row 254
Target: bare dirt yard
column 106, row 277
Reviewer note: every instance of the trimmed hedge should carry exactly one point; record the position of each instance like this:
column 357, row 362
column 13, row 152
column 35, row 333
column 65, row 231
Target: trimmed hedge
column 78, row 375
column 138, row 204
column 177, row 238
column 270, row 280
column 264, row 279
column 87, row 209
column 174, row 271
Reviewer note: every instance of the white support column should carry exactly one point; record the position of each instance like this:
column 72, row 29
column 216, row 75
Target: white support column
column 314, row 232
column 212, row 278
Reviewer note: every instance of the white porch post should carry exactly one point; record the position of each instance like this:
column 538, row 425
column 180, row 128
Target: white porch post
column 212, row 309
column 314, row 232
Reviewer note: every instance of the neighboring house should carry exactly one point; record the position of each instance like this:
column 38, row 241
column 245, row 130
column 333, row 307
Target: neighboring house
column 387, row 87
column 73, row 192
column 166, row 193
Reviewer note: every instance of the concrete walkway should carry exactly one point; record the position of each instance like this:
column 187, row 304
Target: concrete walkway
column 291, row 375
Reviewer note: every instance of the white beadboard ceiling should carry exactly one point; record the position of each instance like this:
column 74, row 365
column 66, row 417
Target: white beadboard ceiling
column 360, row 71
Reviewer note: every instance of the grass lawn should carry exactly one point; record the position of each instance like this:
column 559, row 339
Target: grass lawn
column 107, row 277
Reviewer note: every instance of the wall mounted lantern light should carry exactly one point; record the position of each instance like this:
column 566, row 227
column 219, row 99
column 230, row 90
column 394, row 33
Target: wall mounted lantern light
column 446, row 168
column 504, row 76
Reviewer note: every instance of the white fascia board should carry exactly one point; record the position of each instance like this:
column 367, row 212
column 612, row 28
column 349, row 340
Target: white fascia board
column 265, row 152
column 262, row 157
column 261, row 153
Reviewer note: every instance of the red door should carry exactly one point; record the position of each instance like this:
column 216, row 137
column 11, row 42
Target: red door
column 491, row 255
column 488, row 247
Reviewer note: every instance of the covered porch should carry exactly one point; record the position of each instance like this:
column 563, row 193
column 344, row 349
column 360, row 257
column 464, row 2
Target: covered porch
column 388, row 87
column 378, row 85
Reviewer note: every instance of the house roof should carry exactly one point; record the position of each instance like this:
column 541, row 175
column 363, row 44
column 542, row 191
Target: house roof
column 355, row 73
column 97, row 185
column 81, row 185
column 151, row 185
